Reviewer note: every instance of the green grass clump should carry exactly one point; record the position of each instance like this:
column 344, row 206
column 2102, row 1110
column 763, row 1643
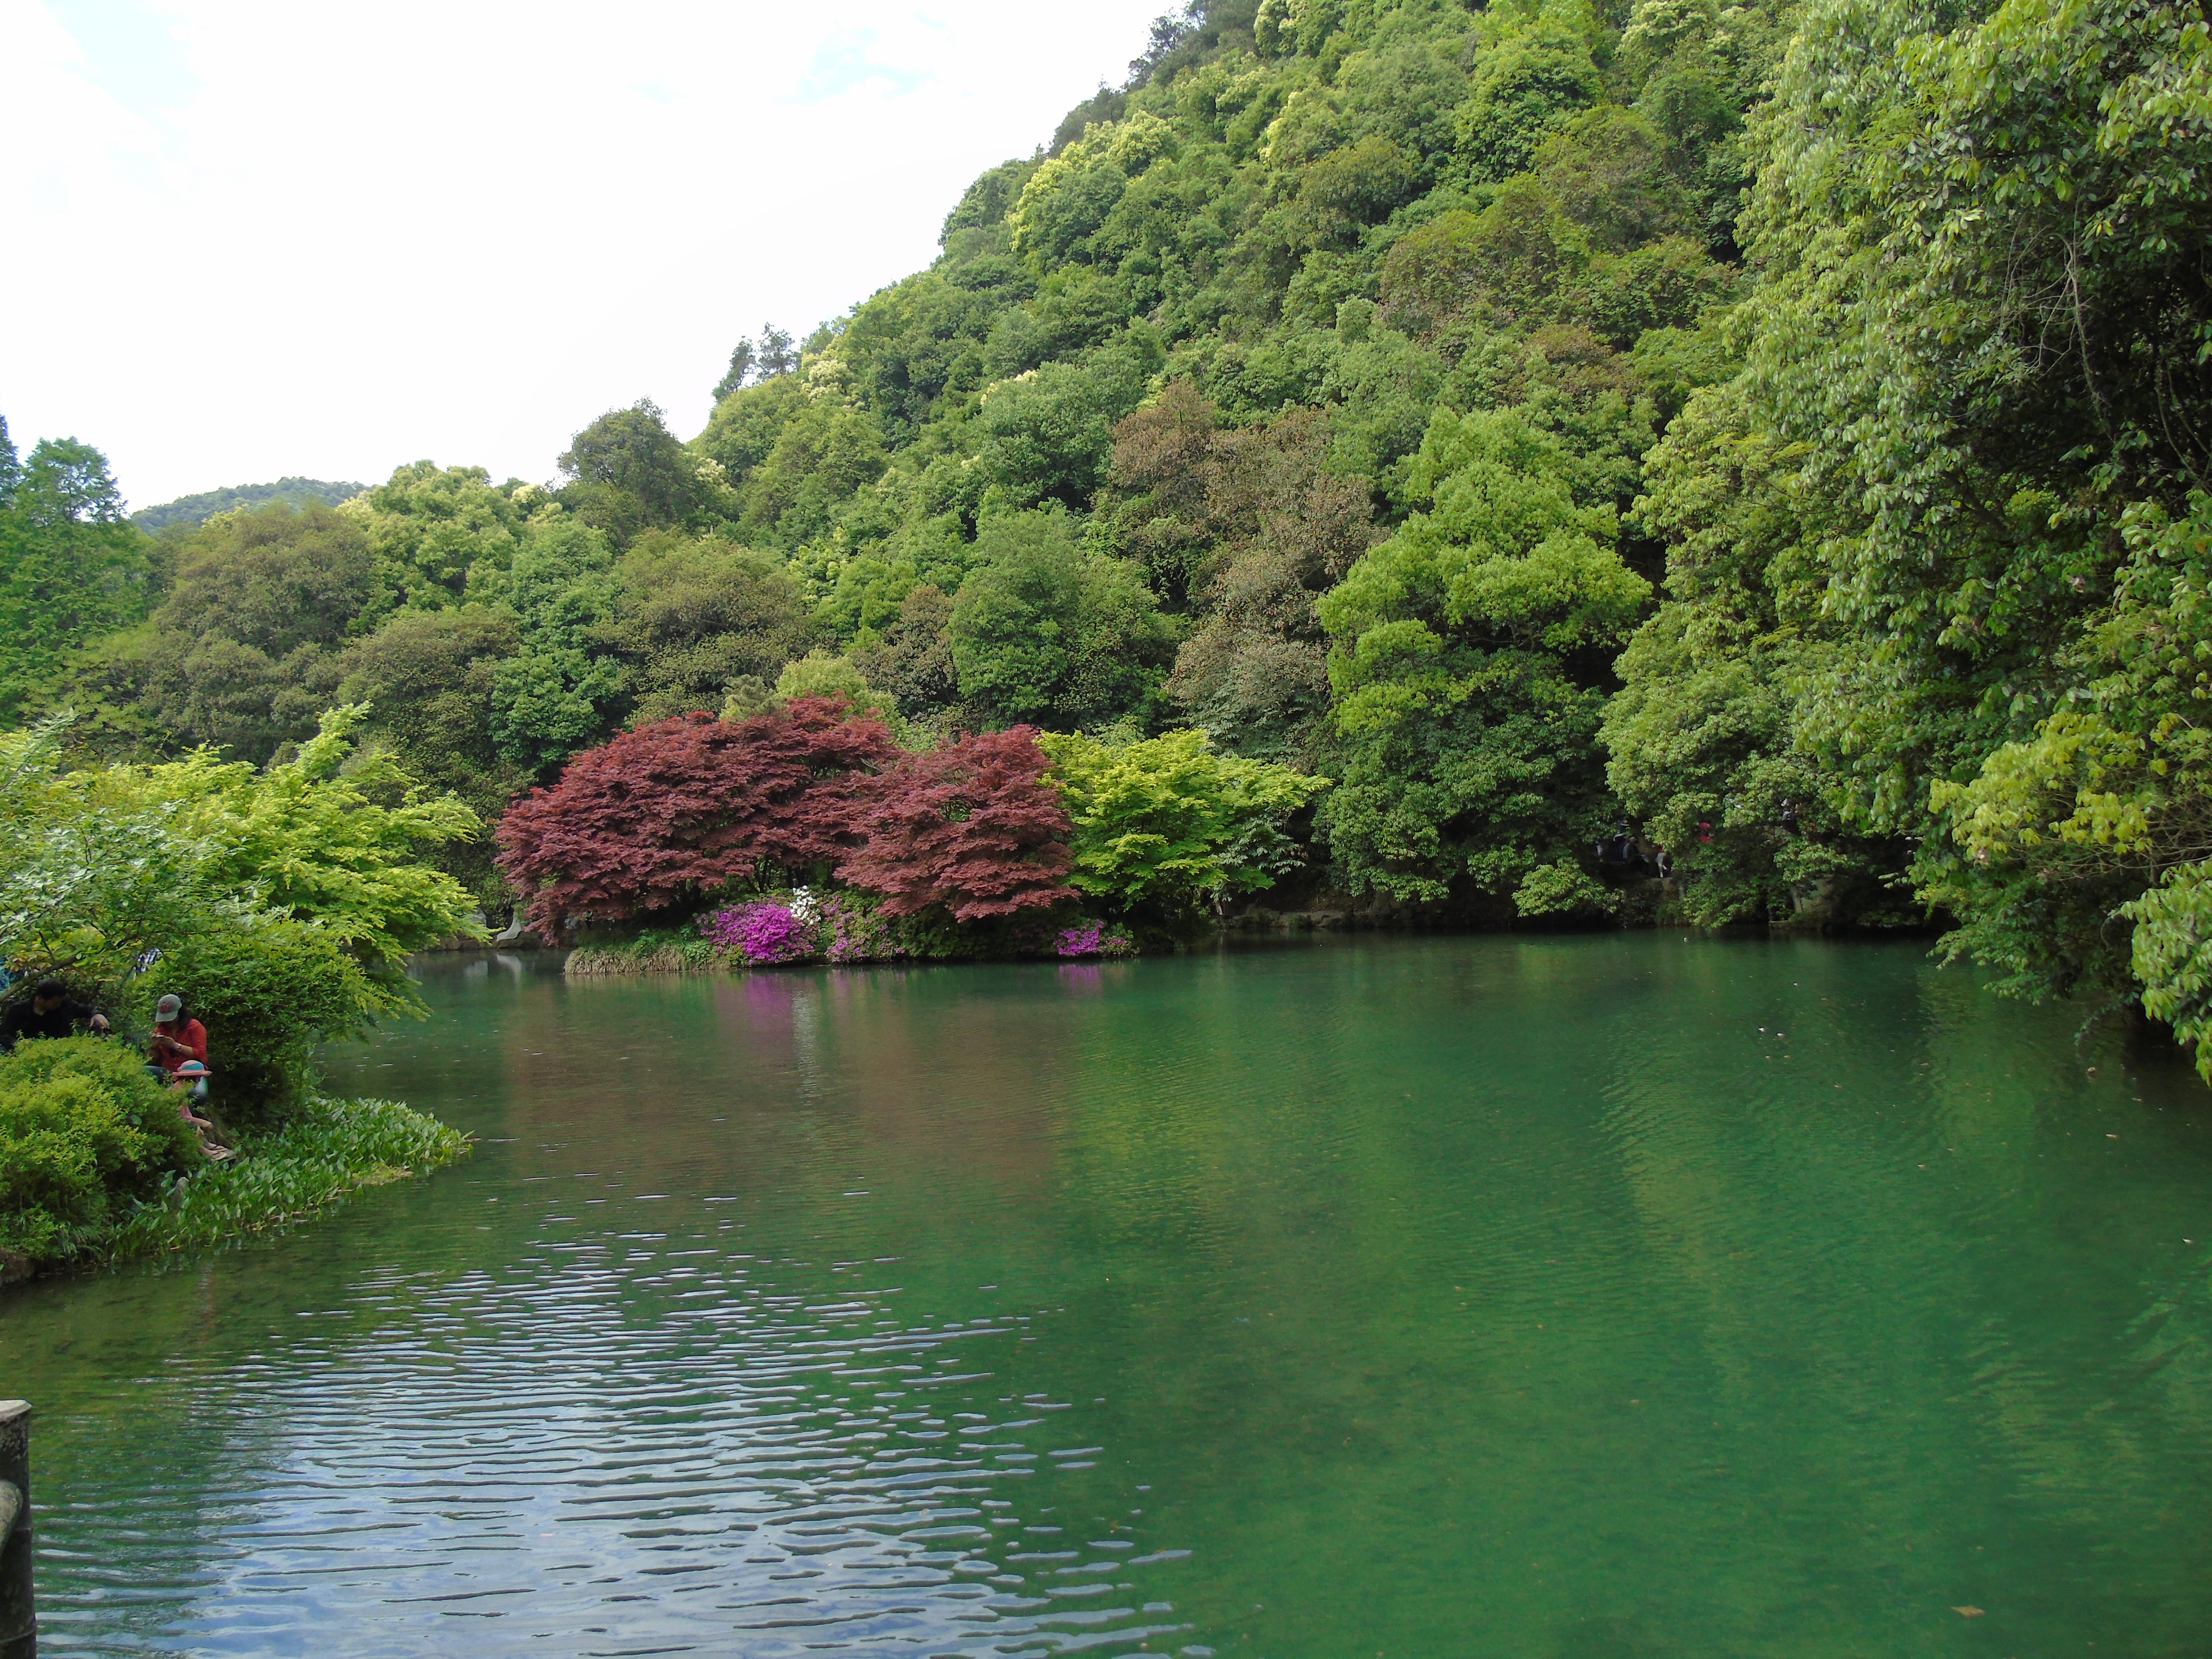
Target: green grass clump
column 327, row 1150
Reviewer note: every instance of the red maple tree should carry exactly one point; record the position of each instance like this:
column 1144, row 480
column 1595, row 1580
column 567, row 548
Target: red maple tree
column 683, row 806
column 972, row 826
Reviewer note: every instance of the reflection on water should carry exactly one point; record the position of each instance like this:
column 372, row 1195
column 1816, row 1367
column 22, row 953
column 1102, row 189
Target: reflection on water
column 1598, row 1296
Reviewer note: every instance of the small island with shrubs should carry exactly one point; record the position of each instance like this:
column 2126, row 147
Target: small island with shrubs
column 280, row 905
column 808, row 831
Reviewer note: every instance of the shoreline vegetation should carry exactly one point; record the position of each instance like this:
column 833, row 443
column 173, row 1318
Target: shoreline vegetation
column 1557, row 463
column 329, row 1150
column 280, row 905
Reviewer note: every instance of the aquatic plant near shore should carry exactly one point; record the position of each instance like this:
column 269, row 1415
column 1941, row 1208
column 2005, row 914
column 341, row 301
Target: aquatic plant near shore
column 762, row 932
column 329, row 1148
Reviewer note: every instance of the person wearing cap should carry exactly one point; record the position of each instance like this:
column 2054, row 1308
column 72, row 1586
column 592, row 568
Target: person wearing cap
column 191, row 1084
column 48, row 1012
column 176, row 1039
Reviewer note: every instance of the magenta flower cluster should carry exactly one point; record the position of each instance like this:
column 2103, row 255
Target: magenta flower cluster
column 1092, row 939
column 761, row 932
column 858, row 932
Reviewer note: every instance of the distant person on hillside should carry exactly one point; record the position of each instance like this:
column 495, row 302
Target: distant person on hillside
column 176, row 1037
column 48, row 1012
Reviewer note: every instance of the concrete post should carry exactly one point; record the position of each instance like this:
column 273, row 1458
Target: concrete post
column 19, row 1619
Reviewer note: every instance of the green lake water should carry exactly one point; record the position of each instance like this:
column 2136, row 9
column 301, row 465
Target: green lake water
column 1574, row 1298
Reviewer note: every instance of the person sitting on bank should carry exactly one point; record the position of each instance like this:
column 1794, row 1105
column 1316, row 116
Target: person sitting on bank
column 177, row 1038
column 192, row 1084
column 48, row 1012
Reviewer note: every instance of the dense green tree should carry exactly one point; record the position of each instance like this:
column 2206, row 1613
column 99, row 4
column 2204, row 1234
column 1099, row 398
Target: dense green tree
column 556, row 693
column 71, row 567
column 691, row 616
column 1469, row 670
column 1979, row 251
column 427, row 679
column 1048, row 435
column 1046, row 631
column 746, row 422
column 242, row 653
column 1703, row 737
column 628, row 474
column 440, row 534
column 1534, row 73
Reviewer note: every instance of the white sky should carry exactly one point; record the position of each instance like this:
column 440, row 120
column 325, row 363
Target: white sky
column 247, row 239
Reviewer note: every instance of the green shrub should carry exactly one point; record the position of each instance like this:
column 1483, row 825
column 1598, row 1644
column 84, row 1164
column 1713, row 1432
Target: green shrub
column 268, row 993
column 329, row 1148
column 83, row 1132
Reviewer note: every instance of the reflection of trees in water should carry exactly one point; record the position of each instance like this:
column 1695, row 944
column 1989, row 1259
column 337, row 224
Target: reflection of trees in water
column 1367, row 1249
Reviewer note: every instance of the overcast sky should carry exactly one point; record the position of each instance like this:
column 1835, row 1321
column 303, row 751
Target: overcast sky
column 249, row 240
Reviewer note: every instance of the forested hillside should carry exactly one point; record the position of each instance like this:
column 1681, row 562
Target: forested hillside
column 189, row 510
column 1783, row 428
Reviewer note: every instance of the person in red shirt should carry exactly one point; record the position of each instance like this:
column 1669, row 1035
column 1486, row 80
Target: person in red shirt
column 176, row 1039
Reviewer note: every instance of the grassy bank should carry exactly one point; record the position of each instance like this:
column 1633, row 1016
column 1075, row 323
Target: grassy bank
column 329, row 1151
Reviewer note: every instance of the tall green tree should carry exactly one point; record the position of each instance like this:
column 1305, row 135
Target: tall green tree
column 1469, row 669
column 71, row 567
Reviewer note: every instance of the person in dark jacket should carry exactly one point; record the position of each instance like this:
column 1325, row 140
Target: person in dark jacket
column 48, row 1012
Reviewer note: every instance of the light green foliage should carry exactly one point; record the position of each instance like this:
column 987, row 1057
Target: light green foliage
column 828, row 449
column 824, row 674
column 283, row 904
column 88, row 882
column 1534, row 71
column 440, row 534
column 742, row 430
column 84, row 1132
column 1565, row 889
column 327, row 1151
column 2170, row 956
column 1504, row 555
column 1166, row 827
column 1045, row 631
column 2105, row 811
column 331, row 837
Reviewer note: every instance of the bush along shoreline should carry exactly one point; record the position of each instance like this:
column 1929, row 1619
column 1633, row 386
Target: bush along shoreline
column 805, row 833
column 280, row 905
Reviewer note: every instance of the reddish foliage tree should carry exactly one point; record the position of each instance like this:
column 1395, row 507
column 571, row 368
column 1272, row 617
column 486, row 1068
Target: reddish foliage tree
column 972, row 826
column 685, row 805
